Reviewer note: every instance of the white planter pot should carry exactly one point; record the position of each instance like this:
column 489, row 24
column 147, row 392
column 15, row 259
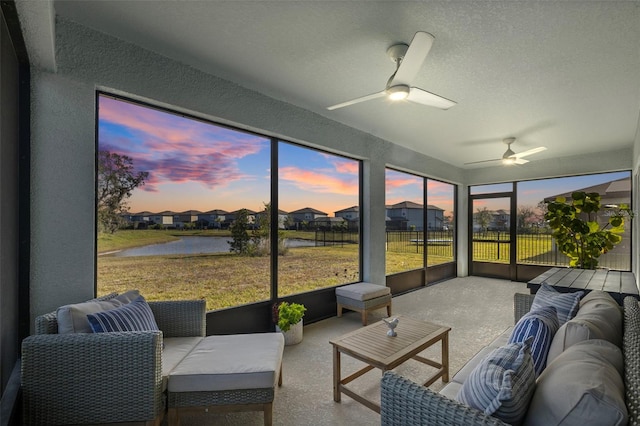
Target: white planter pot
column 294, row 335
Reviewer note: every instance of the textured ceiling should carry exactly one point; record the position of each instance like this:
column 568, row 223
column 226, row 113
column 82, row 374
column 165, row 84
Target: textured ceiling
column 560, row 74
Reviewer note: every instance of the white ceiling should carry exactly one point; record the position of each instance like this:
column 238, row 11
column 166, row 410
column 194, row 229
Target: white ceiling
column 560, row 74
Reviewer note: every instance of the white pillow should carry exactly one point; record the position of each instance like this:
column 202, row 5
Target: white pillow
column 73, row 318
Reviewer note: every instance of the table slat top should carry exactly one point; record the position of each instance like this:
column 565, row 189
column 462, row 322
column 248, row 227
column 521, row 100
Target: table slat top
column 618, row 283
column 372, row 344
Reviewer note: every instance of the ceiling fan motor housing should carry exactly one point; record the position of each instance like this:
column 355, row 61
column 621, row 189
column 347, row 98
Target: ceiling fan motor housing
column 397, row 51
column 398, row 92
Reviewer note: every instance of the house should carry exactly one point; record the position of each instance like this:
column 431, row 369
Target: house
column 564, row 75
column 328, row 223
column 231, row 217
column 283, row 217
column 164, row 219
column 305, row 216
column 186, row 218
column 350, row 213
column 408, row 215
column 612, row 194
column 491, row 220
column 213, row 218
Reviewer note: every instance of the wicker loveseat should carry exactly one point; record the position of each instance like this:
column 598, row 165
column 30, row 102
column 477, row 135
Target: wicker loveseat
column 406, row 403
column 86, row 378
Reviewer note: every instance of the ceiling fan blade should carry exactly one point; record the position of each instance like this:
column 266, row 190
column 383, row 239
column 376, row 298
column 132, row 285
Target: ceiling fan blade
column 530, row 152
column 423, row 97
column 413, row 59
column 520, row 161
column 484, row 161
column 358, row 100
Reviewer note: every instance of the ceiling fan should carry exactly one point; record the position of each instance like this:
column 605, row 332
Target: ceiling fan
column 509, row 157
column 408, row 60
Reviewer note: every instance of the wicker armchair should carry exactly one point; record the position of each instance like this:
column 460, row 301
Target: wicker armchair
column 88, row 378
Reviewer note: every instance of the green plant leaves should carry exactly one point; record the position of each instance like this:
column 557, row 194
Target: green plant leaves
column 289, row 314
column 578, row 233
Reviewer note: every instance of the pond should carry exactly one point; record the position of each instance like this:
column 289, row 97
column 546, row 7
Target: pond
column 195, row 245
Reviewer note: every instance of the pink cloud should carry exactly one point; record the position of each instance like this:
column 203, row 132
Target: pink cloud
column 174, row 149
column 312, row 181
column 347, row 166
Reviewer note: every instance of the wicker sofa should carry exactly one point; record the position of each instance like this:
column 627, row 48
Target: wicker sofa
column 85, row 378
column 406, row 403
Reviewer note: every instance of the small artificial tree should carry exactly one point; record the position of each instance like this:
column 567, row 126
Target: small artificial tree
column 577, row 231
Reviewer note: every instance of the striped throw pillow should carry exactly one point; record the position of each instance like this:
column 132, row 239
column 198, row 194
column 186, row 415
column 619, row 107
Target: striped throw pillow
column 541, row 324
column 566, row 304
column 135, row 316
column 502, row 384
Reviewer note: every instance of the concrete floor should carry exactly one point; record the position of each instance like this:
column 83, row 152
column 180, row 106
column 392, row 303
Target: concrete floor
column 476, row 309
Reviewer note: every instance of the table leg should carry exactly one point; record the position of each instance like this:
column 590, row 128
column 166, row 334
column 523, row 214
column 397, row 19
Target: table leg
column 445, row 357
column 336, row 374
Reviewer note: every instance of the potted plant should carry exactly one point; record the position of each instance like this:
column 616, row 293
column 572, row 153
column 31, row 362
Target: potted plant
column 577, row 231
column 288, row 319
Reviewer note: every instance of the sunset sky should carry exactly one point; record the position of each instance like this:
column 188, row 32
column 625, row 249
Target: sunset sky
column 195, row 165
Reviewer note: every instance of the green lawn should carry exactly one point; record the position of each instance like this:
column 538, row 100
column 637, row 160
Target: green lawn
column 226, row 279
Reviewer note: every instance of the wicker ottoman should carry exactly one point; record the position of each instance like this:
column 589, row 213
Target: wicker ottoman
column 363, row 297
column 227, row 373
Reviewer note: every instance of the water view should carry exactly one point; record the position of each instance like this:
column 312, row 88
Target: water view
column 195, row 245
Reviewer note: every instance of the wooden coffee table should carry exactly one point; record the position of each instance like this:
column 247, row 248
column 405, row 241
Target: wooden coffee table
column 372, row 345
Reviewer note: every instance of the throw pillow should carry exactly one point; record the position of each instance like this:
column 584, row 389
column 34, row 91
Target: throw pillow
column 502, row 384
column 541, row 324
column 599, row 317
column 566, row 304
column 73, row 318
column 135, row 316
column 582, row 386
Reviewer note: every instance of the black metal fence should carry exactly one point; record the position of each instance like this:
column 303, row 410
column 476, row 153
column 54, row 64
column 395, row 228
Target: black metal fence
column 336, row 238
column 539, row 249
column 439, row 243
column 490, row 246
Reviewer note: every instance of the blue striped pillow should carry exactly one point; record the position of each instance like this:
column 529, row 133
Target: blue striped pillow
column 502, row 384
column 566, row 304
column 134, row 316
column 541, row 324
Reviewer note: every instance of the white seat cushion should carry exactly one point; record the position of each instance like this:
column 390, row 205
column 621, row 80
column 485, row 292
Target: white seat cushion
column 363, row 291
column 174, row 351
column 239, row 361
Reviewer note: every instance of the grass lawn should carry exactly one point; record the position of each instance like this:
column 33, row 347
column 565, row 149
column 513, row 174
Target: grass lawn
column 226, row 279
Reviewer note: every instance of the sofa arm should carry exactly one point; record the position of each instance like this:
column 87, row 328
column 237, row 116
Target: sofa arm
column 521, row 305
column 180, row 318
column 92, row 378
column 405, row 403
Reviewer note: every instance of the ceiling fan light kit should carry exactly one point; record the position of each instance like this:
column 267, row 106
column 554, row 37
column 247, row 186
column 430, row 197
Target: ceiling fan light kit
column 408, row 60
column 398, row 93
column 509, row 157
